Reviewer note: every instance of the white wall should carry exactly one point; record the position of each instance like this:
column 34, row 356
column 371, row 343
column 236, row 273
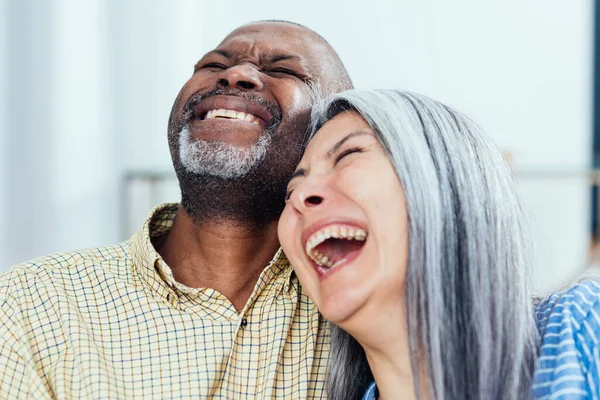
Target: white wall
column 522, row 69
column 29, row 128
column 3, row 128
column 62, row 169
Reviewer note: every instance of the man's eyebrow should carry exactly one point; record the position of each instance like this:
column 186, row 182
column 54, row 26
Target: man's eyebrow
column 343, row 140
column 220, row 52
column 276, row 57
column 273, row 58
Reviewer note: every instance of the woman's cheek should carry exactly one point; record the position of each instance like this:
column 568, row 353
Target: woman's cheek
column 286, row 230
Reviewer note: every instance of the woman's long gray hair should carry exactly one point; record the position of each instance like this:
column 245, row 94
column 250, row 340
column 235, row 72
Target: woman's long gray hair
column 469, row 318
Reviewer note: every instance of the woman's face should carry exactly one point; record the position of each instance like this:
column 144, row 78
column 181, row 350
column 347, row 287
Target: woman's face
column 344, row 227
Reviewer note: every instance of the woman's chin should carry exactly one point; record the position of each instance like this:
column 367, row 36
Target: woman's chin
column 342, row 312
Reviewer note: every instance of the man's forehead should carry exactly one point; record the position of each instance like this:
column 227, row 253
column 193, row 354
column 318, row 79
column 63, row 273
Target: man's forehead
column 276, row 37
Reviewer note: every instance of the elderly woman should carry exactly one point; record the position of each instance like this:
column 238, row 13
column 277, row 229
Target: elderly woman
column 403, row 225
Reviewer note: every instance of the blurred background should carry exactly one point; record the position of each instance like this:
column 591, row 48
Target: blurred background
column 86, row 88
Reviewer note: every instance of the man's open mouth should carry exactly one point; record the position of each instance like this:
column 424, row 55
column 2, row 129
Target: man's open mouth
column 232, row 114
column 335, row 244
column 233, row 108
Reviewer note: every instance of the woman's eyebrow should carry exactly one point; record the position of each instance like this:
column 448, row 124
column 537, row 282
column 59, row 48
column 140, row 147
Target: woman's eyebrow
column 343, row 140
column 298, row 172
column 333, row 150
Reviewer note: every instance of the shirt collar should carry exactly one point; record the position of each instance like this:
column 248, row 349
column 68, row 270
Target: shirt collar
column 280, row 266
column 145, row 257
column 372, row 393
column 157, row 275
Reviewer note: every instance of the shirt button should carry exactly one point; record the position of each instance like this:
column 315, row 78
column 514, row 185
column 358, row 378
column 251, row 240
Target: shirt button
column 172, row 299
column 244, row 323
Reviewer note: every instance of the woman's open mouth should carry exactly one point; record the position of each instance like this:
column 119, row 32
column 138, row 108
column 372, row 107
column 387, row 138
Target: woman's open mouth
column 334, row 245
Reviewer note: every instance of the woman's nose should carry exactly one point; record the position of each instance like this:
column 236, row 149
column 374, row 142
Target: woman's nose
column 308, row 196
column 313, row 200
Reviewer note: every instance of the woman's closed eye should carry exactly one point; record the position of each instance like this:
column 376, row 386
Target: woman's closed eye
column 347, row 152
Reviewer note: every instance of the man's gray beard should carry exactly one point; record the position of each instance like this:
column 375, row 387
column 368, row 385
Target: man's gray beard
column 218, row 159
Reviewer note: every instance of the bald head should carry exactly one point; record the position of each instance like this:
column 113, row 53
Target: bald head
column 335, row 76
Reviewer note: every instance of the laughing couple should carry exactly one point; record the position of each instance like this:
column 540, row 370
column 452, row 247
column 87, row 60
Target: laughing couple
column 402, row 224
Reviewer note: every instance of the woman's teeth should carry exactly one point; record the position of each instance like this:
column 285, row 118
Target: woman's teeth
column 324, row 261
column 335, row 232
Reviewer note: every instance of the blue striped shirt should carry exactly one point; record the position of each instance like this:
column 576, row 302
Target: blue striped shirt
column 568, row 367
column 569, row 362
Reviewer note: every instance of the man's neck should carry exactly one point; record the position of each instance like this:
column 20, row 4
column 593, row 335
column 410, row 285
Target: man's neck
column 220, row 255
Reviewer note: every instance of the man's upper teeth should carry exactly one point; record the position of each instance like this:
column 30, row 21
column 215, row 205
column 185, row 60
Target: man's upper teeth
column 337, row 232
column 223, row 113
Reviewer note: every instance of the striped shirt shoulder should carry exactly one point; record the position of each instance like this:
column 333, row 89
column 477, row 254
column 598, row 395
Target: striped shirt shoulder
column 568, row 365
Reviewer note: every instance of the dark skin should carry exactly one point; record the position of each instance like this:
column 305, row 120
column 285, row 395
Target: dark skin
column 219, row 240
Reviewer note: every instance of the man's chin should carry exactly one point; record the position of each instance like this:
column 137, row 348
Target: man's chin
column 216, row 168
column 220, row 159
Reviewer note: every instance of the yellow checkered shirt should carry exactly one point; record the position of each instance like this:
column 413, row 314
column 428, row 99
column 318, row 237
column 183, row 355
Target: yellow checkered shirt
column 111, row 322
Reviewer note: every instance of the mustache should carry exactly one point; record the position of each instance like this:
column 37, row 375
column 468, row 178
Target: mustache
column 272, row 108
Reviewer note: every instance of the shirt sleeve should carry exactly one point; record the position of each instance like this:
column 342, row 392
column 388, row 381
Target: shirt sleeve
column 568, row 363
column 593, row 375
column 586, row 303
column 19, row 377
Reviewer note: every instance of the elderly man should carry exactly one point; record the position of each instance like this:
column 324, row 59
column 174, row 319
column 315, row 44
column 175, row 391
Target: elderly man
column 199, row 302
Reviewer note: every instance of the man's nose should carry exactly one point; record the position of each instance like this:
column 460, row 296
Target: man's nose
column 243, row 77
